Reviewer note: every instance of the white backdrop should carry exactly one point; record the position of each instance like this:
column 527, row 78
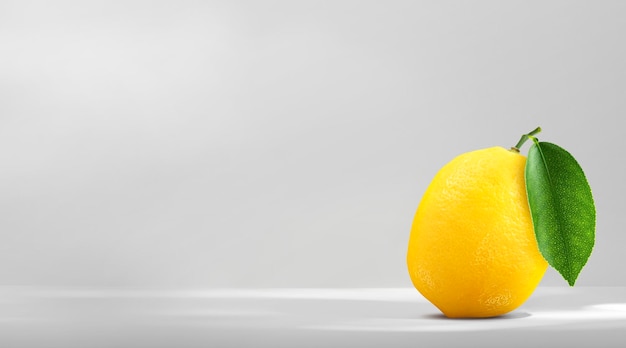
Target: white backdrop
column 283, row 143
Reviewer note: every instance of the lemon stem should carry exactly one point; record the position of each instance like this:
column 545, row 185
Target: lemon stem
column 524, row 138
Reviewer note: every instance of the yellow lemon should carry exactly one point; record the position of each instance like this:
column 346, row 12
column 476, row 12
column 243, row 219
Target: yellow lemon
column 472, row 250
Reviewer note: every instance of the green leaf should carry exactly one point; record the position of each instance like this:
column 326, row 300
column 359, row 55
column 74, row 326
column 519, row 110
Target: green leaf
column 562, row 208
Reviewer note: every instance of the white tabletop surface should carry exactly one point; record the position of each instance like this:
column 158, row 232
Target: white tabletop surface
column 397, row 317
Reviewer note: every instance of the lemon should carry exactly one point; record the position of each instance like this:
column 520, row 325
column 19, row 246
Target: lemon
column 472, row 250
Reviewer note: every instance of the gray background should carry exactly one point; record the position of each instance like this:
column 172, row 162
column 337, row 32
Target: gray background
column 281, row 143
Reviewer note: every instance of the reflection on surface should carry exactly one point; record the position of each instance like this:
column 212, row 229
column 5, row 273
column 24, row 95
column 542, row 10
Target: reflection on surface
column 539, row 318
column 512, row 315
column 233, row 317
column 619, row 307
